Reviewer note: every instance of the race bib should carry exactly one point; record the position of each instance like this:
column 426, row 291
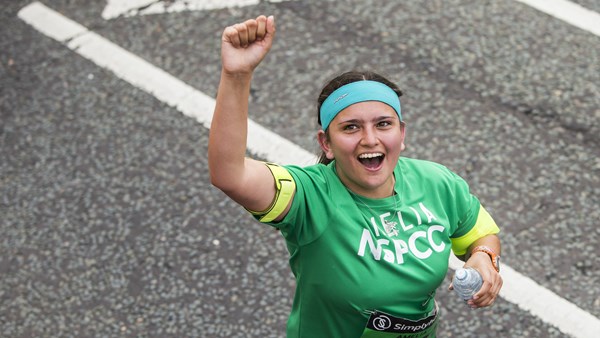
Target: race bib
column 383, row 325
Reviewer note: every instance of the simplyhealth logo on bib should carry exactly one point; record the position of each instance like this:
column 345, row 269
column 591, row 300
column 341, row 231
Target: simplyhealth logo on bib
column 394, row 237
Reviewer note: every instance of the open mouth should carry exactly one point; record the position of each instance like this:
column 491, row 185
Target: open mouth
column 371, row 160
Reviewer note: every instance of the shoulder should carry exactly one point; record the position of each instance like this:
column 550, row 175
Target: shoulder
column 317, row 179
column 429, row 169
column 430, row 175
column 315, row 173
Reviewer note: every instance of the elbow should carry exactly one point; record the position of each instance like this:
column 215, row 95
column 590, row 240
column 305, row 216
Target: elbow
column 215, row 179
column 216, row 171
column 220, row 181
column 225, row 174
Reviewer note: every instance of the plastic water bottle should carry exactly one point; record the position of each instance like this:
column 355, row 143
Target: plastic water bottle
column 467, row 282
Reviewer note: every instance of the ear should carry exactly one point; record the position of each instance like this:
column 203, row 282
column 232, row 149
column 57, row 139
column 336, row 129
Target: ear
column 403, row 132
column 325, row 144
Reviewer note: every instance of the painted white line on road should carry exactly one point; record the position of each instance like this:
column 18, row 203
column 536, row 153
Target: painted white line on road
column 569, row 12
column 116, row 8
column 565, row 10
column 543, row 303
column 517, row 289
column 155, row 81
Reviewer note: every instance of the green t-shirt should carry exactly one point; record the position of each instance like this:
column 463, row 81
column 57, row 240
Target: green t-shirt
column 350, row 259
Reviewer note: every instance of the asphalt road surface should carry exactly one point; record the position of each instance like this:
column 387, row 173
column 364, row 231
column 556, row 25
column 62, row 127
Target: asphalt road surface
column 111, row 228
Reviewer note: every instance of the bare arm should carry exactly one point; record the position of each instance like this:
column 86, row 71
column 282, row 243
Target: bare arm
column 245, row 180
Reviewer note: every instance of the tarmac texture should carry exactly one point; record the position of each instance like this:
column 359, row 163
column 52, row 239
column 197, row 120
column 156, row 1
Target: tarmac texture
column 110, row 226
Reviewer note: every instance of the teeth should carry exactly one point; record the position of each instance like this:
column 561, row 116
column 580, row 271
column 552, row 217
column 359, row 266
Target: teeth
column 370, row 155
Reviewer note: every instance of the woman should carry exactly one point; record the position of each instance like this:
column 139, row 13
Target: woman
column 369, row 233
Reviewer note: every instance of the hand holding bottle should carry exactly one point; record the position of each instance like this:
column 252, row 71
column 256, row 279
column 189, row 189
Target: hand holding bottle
column 466, row 283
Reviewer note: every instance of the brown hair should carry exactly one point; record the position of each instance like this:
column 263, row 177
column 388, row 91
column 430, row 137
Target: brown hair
column 344, row 79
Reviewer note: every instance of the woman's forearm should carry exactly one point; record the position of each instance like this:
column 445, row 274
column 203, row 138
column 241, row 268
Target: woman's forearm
column 243, row 46
column 228, row 132
column 491, row 241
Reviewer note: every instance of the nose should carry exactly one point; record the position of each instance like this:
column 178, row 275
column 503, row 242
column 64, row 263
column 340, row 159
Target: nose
column 369, row 137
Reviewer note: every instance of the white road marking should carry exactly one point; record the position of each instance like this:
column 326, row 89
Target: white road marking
column 116, row 8
column 565, row 10
column 543, row 303
column 517, row 289
column 569, row 12
column 155, row 81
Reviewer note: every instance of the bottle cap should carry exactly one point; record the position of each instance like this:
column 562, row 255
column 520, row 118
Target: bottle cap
column 461, row 274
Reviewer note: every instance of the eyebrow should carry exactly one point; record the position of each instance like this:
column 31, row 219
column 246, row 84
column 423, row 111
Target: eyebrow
column 377, row 119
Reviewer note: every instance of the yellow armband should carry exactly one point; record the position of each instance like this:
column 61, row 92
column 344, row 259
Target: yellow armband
column 284, row 186
column 484, row 226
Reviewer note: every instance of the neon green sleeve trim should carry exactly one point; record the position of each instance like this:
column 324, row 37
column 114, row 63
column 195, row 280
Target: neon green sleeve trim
column 284, row 186
column 484, row 226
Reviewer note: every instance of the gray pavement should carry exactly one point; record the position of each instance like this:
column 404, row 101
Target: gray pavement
column 111, row 228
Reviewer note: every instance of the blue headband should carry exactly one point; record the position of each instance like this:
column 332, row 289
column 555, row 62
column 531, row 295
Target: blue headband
column 355, row 92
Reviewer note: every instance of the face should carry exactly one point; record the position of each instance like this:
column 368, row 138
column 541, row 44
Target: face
column 366, row 140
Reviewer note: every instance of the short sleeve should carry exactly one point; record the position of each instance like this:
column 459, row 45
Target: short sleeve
column 466, row 206
column 311, row 206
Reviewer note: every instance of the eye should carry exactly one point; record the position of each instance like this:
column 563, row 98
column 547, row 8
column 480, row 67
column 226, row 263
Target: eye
column 384, row 123
column 350, row 127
